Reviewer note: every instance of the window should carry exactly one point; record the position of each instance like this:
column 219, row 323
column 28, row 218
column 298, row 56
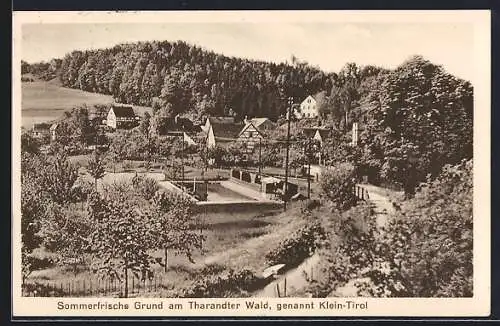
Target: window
column 250, row 134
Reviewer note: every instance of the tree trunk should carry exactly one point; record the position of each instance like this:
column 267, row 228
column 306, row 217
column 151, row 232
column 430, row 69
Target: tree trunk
column 125, row 292
column 346, row 120
column 166, row 259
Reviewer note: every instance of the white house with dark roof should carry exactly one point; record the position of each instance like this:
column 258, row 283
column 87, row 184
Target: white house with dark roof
column 309, row 108
column 121, row 117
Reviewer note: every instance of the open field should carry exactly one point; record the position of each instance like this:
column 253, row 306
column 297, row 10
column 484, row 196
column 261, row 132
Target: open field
column 45, row 101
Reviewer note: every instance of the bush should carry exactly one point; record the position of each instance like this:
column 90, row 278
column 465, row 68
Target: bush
column 297, row 248
column 226, row 284
column 38, row 263
column 145, row 186
column 425, row 251
column 337, row 184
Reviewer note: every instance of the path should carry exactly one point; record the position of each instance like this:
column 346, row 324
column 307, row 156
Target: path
column 292, row 281
column 381, row 204
column 383, row 208
column 295, row 279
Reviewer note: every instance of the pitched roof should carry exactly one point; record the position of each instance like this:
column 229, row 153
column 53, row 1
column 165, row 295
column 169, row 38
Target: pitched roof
column 221, row 120
column 41, row 126
column 246, row 127
column 319, row 95
column 323, row 133
column 226, row 130
column 310, row 132
column 181, row 124
column 123, row 111
column 258, row 121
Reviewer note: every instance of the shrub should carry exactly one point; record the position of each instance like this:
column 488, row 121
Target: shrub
column 145, row 186
column 226, row 284
column 425, row 251
column 337, row 184
column 297, row 248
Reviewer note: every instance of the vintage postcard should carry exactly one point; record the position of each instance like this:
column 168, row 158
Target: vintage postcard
column 251, row 163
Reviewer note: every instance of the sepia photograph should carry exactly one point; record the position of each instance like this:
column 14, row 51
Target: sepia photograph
column 251, row 163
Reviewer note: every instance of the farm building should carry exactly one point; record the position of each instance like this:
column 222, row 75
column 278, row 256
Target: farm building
column 249, row 137
column 41, row 130
column 121, row 117
column 317, row 133
column 263, row 124
column 221, row 131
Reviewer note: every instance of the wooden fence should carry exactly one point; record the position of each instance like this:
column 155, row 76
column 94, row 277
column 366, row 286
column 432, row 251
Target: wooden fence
column 95, row 287
column 361, row 192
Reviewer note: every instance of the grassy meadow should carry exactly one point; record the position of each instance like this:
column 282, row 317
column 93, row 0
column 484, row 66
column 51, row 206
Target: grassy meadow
column 43, row 101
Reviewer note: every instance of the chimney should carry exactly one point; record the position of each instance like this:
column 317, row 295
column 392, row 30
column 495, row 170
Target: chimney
column 355, row 134
column 246, row 119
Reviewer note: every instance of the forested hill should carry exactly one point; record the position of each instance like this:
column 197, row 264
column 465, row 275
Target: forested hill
column 188, row 77
column 175, row 77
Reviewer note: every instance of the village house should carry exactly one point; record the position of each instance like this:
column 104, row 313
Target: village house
column 121, row 117
column 263, row 124
column 221, row 131
column 98, row 115
column 249, row 136
column 41, row 131
column 178, row 126
column 317, row 133
column 309, row 108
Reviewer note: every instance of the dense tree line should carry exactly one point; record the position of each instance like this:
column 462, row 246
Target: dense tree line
column 188, row 79
column 43, row 70
column 413, row 120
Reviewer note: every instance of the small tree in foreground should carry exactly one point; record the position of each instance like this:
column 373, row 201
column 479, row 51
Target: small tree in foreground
column 96, row 168
column 174, row 229
column 121, row 238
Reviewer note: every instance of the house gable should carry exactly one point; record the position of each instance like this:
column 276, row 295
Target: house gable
column 249, row 130
column 308, row 108
column 249, row 137
column 210, row 138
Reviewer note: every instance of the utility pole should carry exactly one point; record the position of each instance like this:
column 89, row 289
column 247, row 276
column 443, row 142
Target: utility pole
column 260, row 156
column 182, row 159
column 309, row 169
column 285, row 195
